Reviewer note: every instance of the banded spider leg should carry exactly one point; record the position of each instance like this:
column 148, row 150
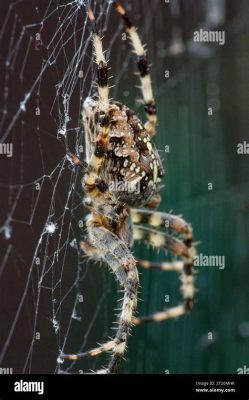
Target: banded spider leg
column 184, row 248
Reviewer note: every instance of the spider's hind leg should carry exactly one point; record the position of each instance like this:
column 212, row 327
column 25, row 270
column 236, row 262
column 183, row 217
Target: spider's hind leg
column 122, row 263
column 120, row 260
column 183, row 248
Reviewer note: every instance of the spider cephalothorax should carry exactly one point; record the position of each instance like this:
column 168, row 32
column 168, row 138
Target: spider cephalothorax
column 122, row 169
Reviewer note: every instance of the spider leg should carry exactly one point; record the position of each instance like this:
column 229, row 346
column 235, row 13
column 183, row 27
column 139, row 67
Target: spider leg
column 161, row 220
column 122, row 263
column 144, row 70
column 103, row 128
column 90, row 353
column 173, row 312
column 92, row 184
column 120, row 260
column 183, row 248
column 163, row 266
column 91, row 181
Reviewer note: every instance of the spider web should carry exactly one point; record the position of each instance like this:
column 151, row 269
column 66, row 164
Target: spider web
column 52, row 297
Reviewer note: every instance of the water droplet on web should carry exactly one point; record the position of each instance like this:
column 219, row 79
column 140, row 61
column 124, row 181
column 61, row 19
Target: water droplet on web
column 7, row 232
column 22, row 106
column 62, row 132
column 73, row 243
column 60, row 360
column 81, row 3
column 76, row 316
column 50, row 227
column 56, row 325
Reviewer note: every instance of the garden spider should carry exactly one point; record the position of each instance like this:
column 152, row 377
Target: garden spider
column 119, row 149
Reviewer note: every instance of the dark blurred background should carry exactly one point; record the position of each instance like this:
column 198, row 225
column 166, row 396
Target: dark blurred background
column 189, row 78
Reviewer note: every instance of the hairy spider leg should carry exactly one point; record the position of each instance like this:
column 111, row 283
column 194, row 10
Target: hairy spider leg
column 144, row 70
column 161, row 265
column 90, row 353
column 161, row 220
column 184, row 248
column 91, row 182
column 103, row 128
column 119, row 258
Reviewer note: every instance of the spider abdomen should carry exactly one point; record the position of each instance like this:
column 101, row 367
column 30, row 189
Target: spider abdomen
column 132, row 166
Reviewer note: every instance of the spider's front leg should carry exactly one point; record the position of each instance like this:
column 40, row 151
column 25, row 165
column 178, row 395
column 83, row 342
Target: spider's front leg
column 183, row 247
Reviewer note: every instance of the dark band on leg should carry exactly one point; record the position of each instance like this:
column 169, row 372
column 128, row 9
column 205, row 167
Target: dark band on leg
column 150, row 108
column 102, row 75
column 143, row 66
column 103, row 119
column 100, row 149
column 123, row 14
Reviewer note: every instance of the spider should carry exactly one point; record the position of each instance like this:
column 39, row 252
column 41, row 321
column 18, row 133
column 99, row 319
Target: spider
column 120, row 150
